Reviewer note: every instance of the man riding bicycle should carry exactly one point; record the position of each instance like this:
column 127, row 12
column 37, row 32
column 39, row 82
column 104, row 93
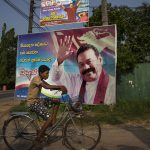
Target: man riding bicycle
column 37, row 105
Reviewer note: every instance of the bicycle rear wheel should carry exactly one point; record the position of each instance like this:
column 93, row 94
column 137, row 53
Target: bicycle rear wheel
column 82, row 133
column 19, row 132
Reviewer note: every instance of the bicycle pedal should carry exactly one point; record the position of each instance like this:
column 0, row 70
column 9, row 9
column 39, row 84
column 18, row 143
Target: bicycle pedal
column 78, row 116
column 45, row 136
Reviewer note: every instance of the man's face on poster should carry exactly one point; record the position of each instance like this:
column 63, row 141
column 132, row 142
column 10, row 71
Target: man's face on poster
column 89, row 65
column 71, row 5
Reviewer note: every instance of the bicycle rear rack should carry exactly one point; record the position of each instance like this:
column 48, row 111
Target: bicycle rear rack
column 18, row 113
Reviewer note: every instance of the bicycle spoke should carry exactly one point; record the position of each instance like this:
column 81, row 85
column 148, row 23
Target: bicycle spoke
column 19, row 131
column 80, row 134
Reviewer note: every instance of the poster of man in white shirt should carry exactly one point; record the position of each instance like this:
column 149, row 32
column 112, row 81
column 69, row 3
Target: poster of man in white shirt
column 83, row 60
column 93, row 52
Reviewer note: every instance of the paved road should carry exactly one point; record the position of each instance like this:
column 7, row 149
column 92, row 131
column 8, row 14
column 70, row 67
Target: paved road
column 120, row 137
column 6, row 94
column 113, row 138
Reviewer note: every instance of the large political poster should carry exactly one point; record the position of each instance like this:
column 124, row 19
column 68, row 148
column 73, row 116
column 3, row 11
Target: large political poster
column 55, row 12
column 83, row 60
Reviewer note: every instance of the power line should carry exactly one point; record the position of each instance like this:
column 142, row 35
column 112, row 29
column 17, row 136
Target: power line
column 20, row 12
column 12, row 5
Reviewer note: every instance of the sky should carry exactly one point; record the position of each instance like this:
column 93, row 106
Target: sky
column 14, row 20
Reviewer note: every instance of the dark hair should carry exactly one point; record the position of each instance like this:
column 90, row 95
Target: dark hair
column 86, row 47
column 43, row 68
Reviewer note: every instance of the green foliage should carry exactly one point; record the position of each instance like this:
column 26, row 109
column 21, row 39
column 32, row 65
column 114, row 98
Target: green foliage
column 126, row 61
column 96, row 18
column 122, row 112
column 8, row 46
column 133, row 108
column 22, row 107
column 133, row 34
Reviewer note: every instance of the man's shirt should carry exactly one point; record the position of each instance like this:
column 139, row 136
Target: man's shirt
column 73, row 83
column 34, row 89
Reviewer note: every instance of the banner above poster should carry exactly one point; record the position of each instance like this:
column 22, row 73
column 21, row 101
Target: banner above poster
column 55, row 12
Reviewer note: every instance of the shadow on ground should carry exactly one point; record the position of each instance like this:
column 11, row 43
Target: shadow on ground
column 126, row 147
column 142, row 133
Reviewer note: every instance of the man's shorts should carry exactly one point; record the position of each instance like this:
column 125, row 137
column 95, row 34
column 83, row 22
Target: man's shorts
column 40, row 107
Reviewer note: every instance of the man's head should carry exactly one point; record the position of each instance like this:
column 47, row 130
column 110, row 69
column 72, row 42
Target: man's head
column 84, row 13
column 90, row 62
column 71, row 5
column 43, row 71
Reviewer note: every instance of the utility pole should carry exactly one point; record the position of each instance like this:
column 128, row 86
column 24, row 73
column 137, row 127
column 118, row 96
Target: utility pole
column 31, row 16
column 104, row 12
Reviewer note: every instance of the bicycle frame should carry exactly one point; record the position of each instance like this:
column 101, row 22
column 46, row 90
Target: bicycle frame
column 65, row 116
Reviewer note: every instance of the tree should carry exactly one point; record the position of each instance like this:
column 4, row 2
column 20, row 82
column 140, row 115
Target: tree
column 139, row 34
column 133, row 27
column 8, row 46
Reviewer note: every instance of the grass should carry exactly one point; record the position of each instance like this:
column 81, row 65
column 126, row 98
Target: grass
column 20, row 108
column 124, row 111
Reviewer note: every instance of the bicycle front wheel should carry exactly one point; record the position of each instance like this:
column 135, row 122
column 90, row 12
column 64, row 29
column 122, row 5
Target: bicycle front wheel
column 19, row 132
column 82, row 133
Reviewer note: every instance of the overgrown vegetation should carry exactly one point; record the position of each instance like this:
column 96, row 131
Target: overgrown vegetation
column 133, row 32
column 8, row 50
column 124, row 111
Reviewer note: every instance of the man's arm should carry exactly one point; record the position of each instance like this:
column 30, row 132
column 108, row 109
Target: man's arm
column 62, row 88
column 72, row 81
column 78, row 3
column 57, row 73
column 64, row 52
column 62, row 5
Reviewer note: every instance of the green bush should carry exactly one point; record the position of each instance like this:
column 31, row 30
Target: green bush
column 123, row 111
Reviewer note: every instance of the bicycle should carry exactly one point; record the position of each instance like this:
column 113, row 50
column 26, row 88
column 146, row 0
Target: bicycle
column 78, row 131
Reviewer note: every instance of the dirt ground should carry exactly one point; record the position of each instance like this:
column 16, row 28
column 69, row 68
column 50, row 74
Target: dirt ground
column 130, row 136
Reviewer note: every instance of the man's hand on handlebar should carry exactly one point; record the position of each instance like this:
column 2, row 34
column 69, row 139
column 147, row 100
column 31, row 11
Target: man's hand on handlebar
column 63, row 89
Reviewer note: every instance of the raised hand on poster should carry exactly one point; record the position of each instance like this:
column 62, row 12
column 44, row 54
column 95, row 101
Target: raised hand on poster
column 65, row 50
